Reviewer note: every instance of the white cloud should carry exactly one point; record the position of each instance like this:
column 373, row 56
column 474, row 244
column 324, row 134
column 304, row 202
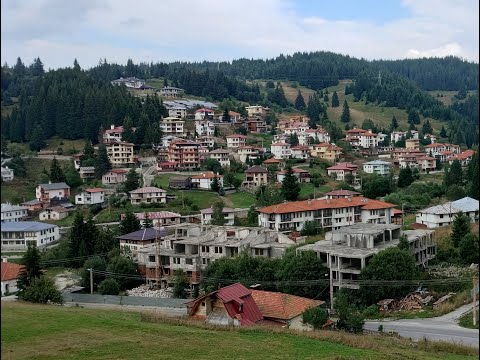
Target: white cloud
column 167, row 30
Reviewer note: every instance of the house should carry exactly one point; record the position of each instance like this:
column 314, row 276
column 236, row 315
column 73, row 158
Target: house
column 444, row 214
column 341, row 170
column 228, row 213
column 184, row 153
column 7, row 174
column 204, row 127
column 44, row 192
column 167, row 166
column 87, row 172
column 426, row 163
column 303, row 176
column 283, row 308
column 255, row 176
column 256, row 125
column 248, row 153
column 62, row 201
column 464, row 157
column 300, row 152
column 205, row 180
column 368, row 140
column 33, row 205
column 10, row 275
column 206, row 141
column 203, row 113
column 231, row 305
column 347, row 251
column 396, row 136
column 257, row 110
column 148, row 195
column 319, row 135
column 326, row 151
column 412, row 144
column 234, row 116
column 377, row 167
column 13, row 212
column 53, row 213
column 90, row 197
column 170, row 91
column 129, row 82
column 114, row 177
column 178, row 111
column 16, row 235
column 353, row 136
column 221, row 155
column 236, row 140
column 120, row 154
column 172, row 126
column 159, row 218
column 436, row 148
column 281, row 151
column 177, row 182
column 337, row 194
column 273, row 161
column 114, row 134
column 138, row 239
column 328, row 213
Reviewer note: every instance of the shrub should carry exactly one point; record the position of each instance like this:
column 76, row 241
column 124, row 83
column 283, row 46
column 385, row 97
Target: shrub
column 317, row 317
column 42, row 290
column 372, row 310
column 109, row 287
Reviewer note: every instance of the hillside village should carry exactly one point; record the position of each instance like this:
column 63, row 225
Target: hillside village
column 175, row 208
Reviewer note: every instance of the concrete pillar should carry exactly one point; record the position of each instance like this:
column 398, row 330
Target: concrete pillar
column 362, row 260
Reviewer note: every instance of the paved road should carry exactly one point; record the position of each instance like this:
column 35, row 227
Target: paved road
column 148, row 175
column 442, row 328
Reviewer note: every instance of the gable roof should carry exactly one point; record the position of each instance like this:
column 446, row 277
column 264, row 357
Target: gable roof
column 140, row 235
column 26, row 226
column 148, row 189
column 9, row 207
column 235, row 295
column 343, row 166
column 282, row 306
column 342, row 192
column 10, row 271
column 256, row 169
column 94, row 190
column 54, row 186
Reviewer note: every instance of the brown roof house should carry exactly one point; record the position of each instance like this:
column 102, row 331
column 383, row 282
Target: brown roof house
column 148, row 195
column 10, row 273
column 255, row 176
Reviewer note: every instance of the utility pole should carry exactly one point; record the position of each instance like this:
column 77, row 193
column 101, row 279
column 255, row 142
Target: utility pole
column 91, row 280
column 157, row 260
column 403, row 216
column 474, row 301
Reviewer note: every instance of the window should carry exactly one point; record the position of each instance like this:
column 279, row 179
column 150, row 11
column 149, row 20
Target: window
column 151, row 258
column 259, row 252
column 218, row 250
column 205, row 249
column 441, row 216
column 189, row 261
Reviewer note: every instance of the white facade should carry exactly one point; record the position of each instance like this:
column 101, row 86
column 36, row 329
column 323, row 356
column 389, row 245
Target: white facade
column 45, row 192
column 55, row 213
column 281, row 151
column 115, row 176
column 90, row 197
column 172, row 126
column 377, row 167
column 205, row 180
column 7, row 174
column 170, row 91
column 204, row 127
column 368, row 140
column 148, row 195
column 300, row 152
column 16, row 235
column 200, row 114
column 235, row 141
column 222, row 156
column 120, row 154
column 13, row 212
column 443, row 215
column 130, row 82
column 178, row 112
column 257, row 110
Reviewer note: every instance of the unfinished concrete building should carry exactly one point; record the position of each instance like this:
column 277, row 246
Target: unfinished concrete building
column 346, row 251
column 191, row 247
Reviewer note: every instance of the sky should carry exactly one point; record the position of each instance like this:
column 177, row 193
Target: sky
column 59, row 31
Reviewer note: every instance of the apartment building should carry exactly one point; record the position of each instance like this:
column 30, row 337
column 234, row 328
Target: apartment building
column 204, row 127
column 257, row 110
column 229, row 215
column 255, row 176
column 178, row 111
column 347, row 251
column 172, row 126
column 377, row 167
column 205, row 180
column 245, row 153
column 120, row 154
column 114, row 176
column 436, row 148
column 13, row 212
column 319, row 135
column 341, row 170
column 171, row 92
column 221, row 155
column 303, row 176
column 326, row 151
column 203, row 113
column 206, row 141
column 281, row 151
column 236, row 140
column 90, row 197
column 256, row 125
column 426, row 163
column 464, row 157
column 300, row 152
column 114, row 134
column 148, row 195
column 184, row 153
column 412, row 144
column 7, row 174
column 396, row 136
column 328, row 213
column 158, row 218
column 192, row 247
column 45, row 192
column 16, row 235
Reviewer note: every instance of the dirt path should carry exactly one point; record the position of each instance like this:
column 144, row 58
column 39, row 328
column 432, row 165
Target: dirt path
column 67, row 279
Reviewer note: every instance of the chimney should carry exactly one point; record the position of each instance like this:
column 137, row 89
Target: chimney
column 112, row 127
column 4, row 259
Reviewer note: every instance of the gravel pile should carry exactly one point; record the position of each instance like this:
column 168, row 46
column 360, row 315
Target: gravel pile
column 145, row 291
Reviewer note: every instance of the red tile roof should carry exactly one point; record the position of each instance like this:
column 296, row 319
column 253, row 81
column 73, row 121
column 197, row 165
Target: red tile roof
column 239, row 303
column 118, row 171
column 343, row 166
column 312, row 205
column 356, row 131
column 280, row 144
column 237, row 136
column 281, row 306
column 300, row 147
column 272, row 161
column 148, row 189
column 256, row 169
column 462, row 156
column 342, row 192
column 204, row 110
column 95, row 190
column 10, row 271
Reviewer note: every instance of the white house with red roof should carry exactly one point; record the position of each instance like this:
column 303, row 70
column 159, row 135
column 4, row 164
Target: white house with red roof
column 303, row 176
column 236, row 140
column 205, row 180
column 91, row 196
column 340, row 170
column 148, row 195
column 436, row 148
column 281, row 150
column 204, row 127
column 300, row 152
column 464, row 157
column 200, row 114
column 245, row 153
column 10, row 274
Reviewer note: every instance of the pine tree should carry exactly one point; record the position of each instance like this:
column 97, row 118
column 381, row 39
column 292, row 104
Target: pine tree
column 218, row 218
column 75, row 237
column 226, row 116
column 56, row 173
column 128, row 134
column 132, row 181
column 454, row 174
column 102, row 162
column 130, row 223
column 460, row 228
column 252, row 216
column 215, row 184
column 147, row 222
column 31, row 267
column 37, row 67
column 413, row 117
column 290, row 185
column 72, row 177
column 335, row 100
column 88, row 152
column 394, row 124
column 427, row 128
column 294, row 139
column 405, row 177
column 345, row 113
column 300, row 102
column 37, row 141
column 443, row 132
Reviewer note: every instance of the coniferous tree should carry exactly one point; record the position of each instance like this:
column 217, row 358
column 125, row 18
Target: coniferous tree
column 443, row 132
column 335, row 100
column 460, row 228
column 56, row 172
column 454, row 174
column 427, row 128
column 345, row 112
column 218, row 218
column 473, row 177
column 147, row 222
column 128, row 135
column 405, row 177
column 394, row 124
column 37, row 67
column 130, row 223
column 75, row 237
column 72, row 176
column 290, row 185
column 132, row 180
column 252, row 216
column 88, row 152
column 413, row 117
column 31, row 267
column 215, row 185
column 37, row 141
column 19, row 70
column 102, row 162
column 300, row 102
column 293, row 140
column 226, row 116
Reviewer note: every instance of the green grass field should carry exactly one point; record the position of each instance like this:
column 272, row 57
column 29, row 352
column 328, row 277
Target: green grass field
column 76, row 333
column 241, row 199
column 55, row 142
column 467, row 321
